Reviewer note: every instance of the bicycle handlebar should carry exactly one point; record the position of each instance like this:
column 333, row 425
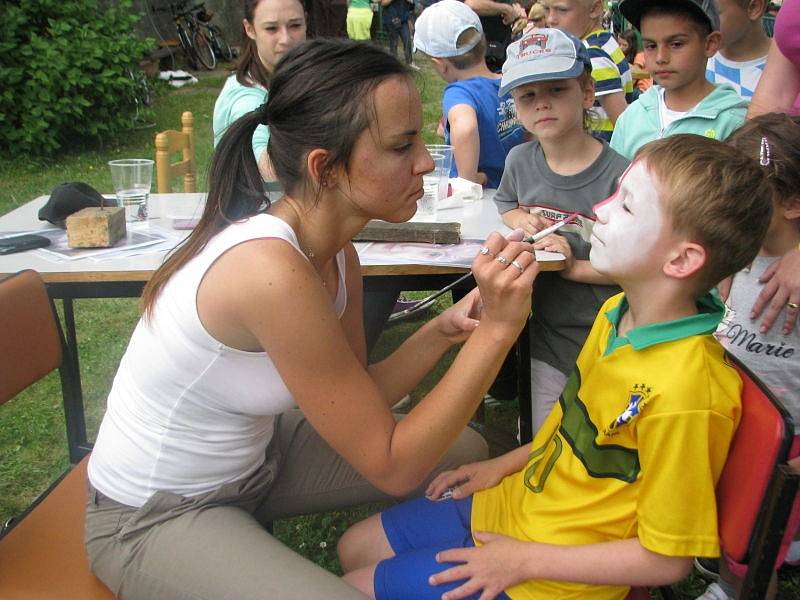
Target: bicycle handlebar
column 174, row 8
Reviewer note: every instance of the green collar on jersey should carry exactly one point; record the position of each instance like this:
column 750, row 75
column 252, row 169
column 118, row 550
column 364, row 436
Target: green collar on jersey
column 710, row 310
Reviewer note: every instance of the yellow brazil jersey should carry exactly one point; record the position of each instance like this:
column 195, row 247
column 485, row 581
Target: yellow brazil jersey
column 633, row 448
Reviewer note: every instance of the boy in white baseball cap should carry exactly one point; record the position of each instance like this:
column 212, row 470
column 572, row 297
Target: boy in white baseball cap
column 480, row 125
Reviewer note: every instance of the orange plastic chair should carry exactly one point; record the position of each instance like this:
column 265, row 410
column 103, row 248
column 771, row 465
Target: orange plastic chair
column 170, row 142
column 756, row 489
column 42, row 555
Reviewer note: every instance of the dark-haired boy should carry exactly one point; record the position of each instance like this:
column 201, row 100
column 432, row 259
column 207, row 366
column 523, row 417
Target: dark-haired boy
column 480, row 125
column 617, row 487
column 678, row 38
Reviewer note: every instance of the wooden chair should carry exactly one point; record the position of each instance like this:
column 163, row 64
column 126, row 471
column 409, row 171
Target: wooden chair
column 169, row 142
column 757, row 488
column 42, row 555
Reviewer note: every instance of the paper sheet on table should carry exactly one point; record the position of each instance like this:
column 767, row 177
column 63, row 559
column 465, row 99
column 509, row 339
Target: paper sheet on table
column 136, row 241
column 444, row 255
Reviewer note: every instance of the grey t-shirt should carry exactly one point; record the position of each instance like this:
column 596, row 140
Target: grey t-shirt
column 563, row 311
column 772, row 356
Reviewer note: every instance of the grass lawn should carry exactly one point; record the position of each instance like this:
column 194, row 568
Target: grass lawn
column 32, row 437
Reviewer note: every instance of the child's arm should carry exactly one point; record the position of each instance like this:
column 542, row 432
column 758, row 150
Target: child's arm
column 614, row 105
column 466, row 142
column 581, row 271
column 470, row 478
column 487, row 8
column 502, row 562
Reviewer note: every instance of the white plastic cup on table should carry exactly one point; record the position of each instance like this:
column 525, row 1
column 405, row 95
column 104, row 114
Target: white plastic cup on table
column 434, row 184
column 132, row 178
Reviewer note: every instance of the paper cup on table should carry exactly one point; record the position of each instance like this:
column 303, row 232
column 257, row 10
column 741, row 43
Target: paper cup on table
column 132, row 178
column 434, row 184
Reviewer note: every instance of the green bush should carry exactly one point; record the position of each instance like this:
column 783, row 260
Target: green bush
column 64, row 72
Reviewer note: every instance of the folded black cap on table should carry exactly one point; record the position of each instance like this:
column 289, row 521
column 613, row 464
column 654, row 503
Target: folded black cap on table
column 68, row 198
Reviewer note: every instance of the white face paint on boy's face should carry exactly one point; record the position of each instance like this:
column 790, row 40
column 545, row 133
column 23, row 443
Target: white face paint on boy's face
column 630, row 225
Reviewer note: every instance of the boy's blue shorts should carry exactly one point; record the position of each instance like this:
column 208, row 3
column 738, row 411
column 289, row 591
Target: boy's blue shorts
column 417, row 530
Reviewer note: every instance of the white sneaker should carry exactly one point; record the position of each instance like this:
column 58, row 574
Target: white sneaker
column 714, row 592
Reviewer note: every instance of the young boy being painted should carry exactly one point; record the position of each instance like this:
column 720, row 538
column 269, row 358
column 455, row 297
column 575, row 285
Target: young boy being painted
column 617, row 488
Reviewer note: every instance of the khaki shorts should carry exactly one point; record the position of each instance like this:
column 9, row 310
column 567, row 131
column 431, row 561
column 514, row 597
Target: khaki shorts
column 215, row 546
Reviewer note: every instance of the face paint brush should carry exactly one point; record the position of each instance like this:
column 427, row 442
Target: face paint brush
column 426, row 302
column 555, row 227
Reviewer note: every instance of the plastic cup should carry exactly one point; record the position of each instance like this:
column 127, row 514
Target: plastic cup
column 434, row 184
column 132, row 178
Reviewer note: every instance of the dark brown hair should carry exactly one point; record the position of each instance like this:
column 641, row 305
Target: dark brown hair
column 782, row 135
column 629, row 35
column 320, row 97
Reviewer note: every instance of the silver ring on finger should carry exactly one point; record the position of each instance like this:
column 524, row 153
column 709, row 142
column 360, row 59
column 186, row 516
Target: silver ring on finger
column 502, row 260
column 793, row 305
column 484, row 251
column 519, row 266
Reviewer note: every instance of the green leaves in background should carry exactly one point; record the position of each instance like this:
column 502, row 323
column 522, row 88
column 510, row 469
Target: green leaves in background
column 64, row 72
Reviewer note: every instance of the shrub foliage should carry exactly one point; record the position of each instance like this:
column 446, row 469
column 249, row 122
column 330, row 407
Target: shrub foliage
column 64, row 72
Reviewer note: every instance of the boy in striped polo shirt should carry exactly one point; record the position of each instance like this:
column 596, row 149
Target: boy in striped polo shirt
column 613, row 81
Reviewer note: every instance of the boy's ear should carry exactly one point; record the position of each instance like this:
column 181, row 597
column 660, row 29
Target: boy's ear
column 595, row 8
column 588, row 94
column 791, row 208
column 712, row 43
column 440, row 65
column 756, row 9
column 687, row 260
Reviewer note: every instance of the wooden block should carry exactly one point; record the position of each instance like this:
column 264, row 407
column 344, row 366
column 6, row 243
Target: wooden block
column 431, row 233
column 96, row 227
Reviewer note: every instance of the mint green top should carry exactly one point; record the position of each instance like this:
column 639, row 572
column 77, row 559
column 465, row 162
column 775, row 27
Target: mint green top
column 359, row 4
column 234, row 101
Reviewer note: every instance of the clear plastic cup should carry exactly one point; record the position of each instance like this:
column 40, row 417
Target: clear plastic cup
column 132, row 178
column 434, row 184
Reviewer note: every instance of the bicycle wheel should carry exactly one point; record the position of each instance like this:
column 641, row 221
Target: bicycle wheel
column 203, row 51
column 186, row 45
column 221, row 47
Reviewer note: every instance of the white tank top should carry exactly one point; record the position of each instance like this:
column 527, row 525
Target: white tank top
column 186, row 413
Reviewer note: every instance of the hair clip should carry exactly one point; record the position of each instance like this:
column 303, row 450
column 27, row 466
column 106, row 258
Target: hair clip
column 763, row 155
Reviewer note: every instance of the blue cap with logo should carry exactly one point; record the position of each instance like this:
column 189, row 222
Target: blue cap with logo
column 543, row 55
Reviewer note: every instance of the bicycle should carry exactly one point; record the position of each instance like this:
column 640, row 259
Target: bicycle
column 220, row 47
column 194, row 43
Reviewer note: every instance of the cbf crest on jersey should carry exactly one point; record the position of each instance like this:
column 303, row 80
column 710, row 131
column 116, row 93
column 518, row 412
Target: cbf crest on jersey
column 637, row 399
